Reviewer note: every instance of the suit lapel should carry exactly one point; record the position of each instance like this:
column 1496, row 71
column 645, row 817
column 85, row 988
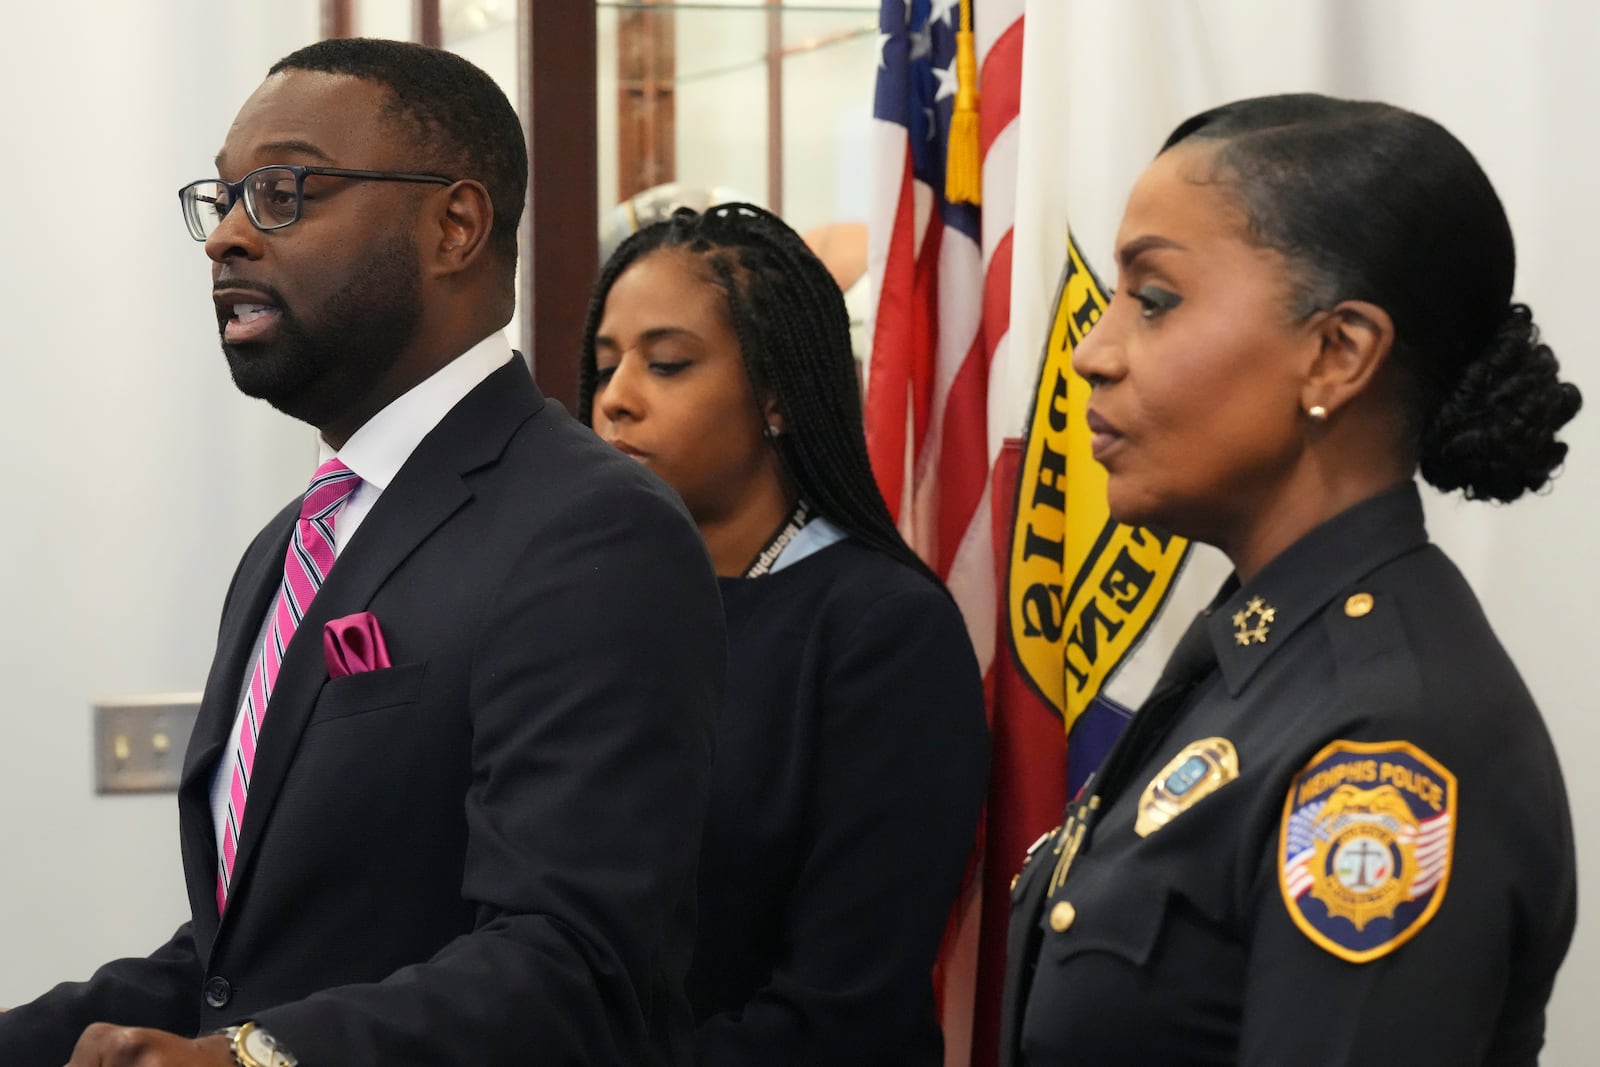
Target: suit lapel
column 259, row 576
column 429, row 488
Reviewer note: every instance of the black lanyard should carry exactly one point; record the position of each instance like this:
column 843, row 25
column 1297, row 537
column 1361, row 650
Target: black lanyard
column 779, row 541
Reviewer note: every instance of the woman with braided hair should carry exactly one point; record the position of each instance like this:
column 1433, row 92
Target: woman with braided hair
column 852, row 751
column 1336, row 833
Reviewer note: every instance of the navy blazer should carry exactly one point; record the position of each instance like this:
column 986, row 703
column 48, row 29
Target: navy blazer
column 485, row 853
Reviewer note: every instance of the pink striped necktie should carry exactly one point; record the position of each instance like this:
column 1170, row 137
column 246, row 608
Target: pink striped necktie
column 305, row 565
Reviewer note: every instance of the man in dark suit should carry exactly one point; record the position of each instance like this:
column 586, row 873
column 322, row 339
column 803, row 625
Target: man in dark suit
column 443, row 801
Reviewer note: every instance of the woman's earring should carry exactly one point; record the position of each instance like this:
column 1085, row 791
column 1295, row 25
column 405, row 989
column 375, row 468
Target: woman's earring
column 1317, row 412
column 772, row 431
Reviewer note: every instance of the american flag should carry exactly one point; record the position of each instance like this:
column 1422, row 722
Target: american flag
column 1303, row 835
column 941, row 276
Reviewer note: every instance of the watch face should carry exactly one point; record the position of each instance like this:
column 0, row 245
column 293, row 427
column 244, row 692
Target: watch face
column 261, row 1047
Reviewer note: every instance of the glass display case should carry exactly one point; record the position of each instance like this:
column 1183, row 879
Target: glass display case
column 770, row 102
column 695, row 102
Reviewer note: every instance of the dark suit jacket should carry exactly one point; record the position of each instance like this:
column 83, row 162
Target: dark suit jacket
column 485, row 853
column 853, row 748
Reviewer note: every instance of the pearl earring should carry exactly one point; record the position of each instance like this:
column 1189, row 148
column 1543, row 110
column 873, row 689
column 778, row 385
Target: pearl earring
column 1317, row 412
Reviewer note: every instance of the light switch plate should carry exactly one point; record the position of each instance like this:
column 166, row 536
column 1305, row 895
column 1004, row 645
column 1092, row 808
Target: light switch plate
column 139, row 742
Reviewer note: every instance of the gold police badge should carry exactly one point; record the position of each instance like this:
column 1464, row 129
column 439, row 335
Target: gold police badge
column 1192, row 775
column 1369, row 839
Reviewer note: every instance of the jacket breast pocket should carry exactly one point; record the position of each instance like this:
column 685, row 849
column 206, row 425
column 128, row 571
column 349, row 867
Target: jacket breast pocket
column 1125, row 924
column 369, row 691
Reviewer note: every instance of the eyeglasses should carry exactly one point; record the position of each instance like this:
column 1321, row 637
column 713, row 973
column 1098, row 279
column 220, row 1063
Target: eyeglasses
column 273, row 197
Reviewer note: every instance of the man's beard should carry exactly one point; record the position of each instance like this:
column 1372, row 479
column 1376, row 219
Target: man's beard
column 318, row 373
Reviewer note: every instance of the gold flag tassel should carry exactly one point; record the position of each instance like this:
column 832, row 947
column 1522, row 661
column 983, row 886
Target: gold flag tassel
column 963, row 172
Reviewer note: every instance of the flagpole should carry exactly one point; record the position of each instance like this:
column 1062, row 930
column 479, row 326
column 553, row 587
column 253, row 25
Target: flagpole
column 775, row 106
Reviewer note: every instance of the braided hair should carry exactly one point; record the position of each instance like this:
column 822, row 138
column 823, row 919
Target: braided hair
column 794, row 337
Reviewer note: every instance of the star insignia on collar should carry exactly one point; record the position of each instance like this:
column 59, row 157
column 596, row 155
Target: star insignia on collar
column 1262, row 613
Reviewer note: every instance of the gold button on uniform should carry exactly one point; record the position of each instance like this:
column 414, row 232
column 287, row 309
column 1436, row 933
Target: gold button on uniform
column 1358, row 605
column 1061, row 917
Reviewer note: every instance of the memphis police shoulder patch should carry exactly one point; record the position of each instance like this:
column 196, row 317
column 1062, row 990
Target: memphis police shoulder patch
column 1365, row 846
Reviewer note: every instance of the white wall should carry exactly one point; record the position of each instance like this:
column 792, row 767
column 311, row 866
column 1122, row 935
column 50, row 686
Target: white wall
column 135, row 473
column 1519, row 84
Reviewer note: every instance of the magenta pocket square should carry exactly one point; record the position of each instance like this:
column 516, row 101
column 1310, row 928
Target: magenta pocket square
column 354, row 644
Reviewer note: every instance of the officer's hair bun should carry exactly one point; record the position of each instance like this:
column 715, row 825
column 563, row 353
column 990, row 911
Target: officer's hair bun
column 1493, row 435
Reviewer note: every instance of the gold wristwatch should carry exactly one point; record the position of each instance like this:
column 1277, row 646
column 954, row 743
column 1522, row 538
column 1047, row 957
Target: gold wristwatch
column 254, row 1047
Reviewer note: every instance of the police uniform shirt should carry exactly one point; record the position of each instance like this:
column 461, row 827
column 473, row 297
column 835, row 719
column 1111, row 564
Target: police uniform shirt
column 1352, row 845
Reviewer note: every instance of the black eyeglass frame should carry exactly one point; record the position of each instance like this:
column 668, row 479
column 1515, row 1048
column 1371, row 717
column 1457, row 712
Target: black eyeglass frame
column 236, row 192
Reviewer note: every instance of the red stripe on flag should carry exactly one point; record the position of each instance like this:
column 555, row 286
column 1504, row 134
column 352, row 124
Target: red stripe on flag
column 924, row 337
column 890, row 381
column 964, row 449
column 1027, row 779
column 963, row 452
column 1002, row 85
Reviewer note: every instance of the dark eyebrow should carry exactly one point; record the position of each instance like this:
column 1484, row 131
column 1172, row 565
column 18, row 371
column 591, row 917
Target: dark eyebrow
column 657, row 333
column 1140, row 245
column 304, row 148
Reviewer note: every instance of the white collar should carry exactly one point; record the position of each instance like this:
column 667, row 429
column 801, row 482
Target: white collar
column 384, row 442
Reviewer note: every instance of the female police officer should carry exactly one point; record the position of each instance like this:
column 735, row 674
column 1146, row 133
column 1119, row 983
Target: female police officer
column 1336, row 833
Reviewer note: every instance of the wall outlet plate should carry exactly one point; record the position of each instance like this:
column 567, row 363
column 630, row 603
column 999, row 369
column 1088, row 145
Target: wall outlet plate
column 139, row 742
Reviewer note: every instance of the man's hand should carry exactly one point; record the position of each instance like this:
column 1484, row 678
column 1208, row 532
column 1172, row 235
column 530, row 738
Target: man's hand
column 104, row 1045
